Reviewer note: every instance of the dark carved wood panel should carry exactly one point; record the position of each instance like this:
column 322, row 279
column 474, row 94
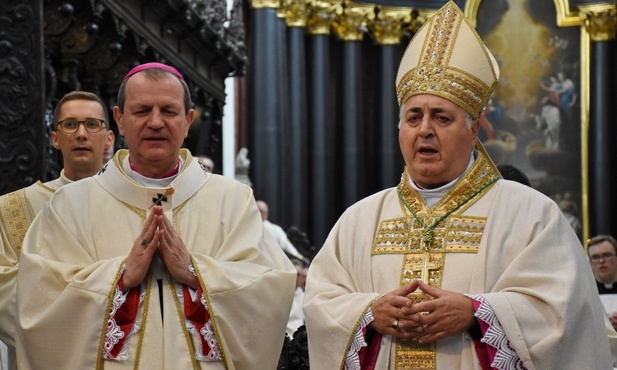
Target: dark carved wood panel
column 21, row 103
column 90, row 45
column 294, row 355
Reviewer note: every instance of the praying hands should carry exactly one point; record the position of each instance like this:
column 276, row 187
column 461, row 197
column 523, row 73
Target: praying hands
column 158, row 237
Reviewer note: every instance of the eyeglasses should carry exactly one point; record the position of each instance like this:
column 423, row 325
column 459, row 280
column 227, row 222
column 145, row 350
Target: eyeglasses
column 599, row 257
column 71, row 125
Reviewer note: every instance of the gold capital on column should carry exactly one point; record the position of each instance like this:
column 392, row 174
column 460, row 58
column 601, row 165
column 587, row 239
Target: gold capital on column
column 351, row 25
column 389, row 24
column 419, row 18
column 295, row 12
column 600, row 20
column 257, row 4
column 322, row 14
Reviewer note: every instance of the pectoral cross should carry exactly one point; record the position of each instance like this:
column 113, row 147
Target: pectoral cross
column 160, row 198
column 426, row 267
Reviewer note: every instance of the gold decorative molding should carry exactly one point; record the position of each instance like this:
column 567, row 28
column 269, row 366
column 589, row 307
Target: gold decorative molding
column 565, row 17
column 295, row 12
column 349, row 20
column 585, row 103
column 352, row 23
column 388, row 26
column 600, row 20
column 421, row 17
column 471, row 12
column 322, row 14
column 260, row 4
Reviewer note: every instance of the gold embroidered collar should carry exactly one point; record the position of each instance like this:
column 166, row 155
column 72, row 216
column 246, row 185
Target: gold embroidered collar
column 480, row 177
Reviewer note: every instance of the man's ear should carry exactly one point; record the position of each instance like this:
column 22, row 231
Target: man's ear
column 475, row 127
column 189, row 119
column 111, row 139
column 54, row 140
column 118, row 117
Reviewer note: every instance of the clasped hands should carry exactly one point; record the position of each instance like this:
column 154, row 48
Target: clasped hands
column 158, row 237
column 449, row 313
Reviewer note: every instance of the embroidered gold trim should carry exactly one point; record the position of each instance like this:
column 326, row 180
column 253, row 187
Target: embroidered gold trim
column 144, row 316
column 140, row 212
column 42, row 184
column 215, row 328
column 355, row 330
column 191, row 347
column 410, row 355
column 16, row 216
column 433, row 74
column 457, row 233
column 110, row 301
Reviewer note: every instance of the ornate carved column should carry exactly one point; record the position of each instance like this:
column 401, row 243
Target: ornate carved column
column 322, row 147
column 388, row 31
column 295, row 13
column 263, row 104
column 22, row 102
column 349, row 27
column 600, row 21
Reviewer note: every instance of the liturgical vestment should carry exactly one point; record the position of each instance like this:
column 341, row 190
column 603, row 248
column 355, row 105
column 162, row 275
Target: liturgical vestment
column 73, row 257
column 17, row 211
column 498, row 241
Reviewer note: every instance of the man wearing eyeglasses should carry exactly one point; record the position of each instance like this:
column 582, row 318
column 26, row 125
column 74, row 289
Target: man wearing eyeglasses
column 81, row 133
column 602, row 250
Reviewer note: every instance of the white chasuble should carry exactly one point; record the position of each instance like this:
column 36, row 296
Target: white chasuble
column 508, row 244
column 17, row 211
column 74, row 253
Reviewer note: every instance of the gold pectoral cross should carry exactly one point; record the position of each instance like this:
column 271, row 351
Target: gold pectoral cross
column 426, row 268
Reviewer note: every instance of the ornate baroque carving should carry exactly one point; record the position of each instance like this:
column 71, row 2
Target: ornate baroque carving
column 19, row 86
column 265, row 4
column 322, row 14
column 389, row 25
column 295, row 12
column 237, row 36
column 349, row 20
column 600, row 20
column 351, row 24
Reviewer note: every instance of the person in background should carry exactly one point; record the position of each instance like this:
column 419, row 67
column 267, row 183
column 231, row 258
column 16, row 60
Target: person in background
column 162, row 265
column 296, row 316
column 80, row 130
column 206, row 162
column 454, row 268
column 511, row 172
column 602, row 250
column 278, row 233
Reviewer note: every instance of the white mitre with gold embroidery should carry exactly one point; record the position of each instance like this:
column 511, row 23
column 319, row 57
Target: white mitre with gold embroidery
column 447, row 58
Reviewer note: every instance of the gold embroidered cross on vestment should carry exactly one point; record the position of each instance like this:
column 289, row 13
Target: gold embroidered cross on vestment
column 425, row 236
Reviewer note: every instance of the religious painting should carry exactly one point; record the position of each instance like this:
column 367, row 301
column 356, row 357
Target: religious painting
column 532, row 120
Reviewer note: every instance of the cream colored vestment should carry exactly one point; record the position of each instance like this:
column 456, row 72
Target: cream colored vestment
column 529, row 266
column 17, row 211
column 75, row 251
